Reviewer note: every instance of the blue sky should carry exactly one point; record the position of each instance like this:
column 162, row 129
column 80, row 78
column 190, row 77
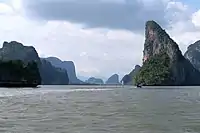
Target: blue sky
column 102, row 37
column 193, row 3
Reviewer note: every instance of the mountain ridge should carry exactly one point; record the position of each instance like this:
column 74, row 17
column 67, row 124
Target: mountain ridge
column 193, row 54
column 68, row 66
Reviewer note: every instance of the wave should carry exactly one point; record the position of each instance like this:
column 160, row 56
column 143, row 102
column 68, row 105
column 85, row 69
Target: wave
column 21, row 92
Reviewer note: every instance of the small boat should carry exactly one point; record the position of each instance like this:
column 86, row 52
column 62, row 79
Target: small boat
column 139, row 86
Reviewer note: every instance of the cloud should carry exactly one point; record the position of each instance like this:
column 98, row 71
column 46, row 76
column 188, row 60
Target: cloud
column 186, row 32
column 5, row 9
column 196, row 18
column 95, row 52
column 118, row 14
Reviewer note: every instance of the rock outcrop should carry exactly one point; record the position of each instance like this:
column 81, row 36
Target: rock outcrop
column 193, row 54
column 68, row 66
column 129, row 78
column 163, row 62
column 52, row 75
column 17, row 51
column 113, row 80
column 96, row 81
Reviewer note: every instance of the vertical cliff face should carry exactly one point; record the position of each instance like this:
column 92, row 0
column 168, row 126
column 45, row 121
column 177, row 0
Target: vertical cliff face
column 68, row 66
column 157, row 41
column 51, row 75
column 163, row 62
column 193, row 54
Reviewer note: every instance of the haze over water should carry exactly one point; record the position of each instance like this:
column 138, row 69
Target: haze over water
column 94, row 109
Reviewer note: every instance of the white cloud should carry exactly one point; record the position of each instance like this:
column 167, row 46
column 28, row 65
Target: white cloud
column 186, row 31
column 16, row 4
column 85, row 47
column 5, row 9
column 196, row 18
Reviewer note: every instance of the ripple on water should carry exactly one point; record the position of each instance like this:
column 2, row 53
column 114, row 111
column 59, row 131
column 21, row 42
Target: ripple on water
column 120, row 110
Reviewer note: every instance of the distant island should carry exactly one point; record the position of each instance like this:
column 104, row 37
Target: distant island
column 113, row 80
column 95, row 81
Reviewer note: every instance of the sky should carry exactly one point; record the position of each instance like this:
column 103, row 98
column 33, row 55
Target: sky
column 102, row 37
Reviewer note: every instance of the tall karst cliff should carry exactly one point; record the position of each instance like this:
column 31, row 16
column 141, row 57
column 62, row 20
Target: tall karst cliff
column 163, row 62
column 68, row 66
column 193, row 54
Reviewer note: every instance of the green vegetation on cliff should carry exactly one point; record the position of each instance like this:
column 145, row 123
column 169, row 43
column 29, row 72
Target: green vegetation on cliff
column 17, row 51
column 155, row 71
column 128, row 78
column 17, row 71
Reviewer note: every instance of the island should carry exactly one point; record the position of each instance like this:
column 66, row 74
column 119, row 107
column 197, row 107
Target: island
column 15, row 51
column 163, row 62
column 15, row 73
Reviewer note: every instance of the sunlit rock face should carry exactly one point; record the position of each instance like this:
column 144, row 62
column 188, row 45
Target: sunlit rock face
column 157, row 43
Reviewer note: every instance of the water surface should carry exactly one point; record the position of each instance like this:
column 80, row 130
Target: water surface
column 94, row 109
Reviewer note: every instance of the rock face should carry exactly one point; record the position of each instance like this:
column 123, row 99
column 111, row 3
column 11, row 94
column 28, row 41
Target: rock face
column 68, row 66
column 193, row 54
column 129, row 78
column 93, row 80
column 158, row 41
column 113, row 80
column 16, row 51
column 52, row 75
column 163, row 62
